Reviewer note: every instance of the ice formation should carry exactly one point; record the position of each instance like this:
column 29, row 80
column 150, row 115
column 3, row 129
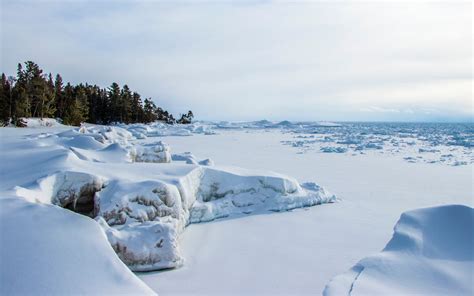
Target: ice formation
column 143, row 196
column 430, row 253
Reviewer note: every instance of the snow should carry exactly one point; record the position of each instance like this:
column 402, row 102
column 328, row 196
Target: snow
column 430, row 253
column 151, row 187
column 46, row 250
column 141, row 199
column 300, row 251
column 41, row 122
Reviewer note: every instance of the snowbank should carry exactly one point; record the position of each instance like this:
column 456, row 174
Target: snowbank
column 41, row 122
column 46, row 250
column 430, row 253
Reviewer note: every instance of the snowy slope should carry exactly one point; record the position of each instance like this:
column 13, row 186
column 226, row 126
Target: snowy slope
column 431, row 253
column 46, row 250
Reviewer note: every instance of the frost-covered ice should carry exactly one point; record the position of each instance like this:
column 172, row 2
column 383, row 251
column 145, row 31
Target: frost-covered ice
column 431, row 253
column 444, row 143
column 419, row 142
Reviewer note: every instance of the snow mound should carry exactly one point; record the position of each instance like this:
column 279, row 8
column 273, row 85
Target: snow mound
column 229, row 192
column 104, row 134
column 41, row 122
column 49, row 251
column 430, row 253
column 189, row 158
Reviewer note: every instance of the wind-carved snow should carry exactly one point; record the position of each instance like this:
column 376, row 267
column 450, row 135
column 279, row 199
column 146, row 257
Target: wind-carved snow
column 143, row 196
column 430, row 253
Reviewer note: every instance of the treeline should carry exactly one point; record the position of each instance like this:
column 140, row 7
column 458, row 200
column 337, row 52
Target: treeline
column 35, row 94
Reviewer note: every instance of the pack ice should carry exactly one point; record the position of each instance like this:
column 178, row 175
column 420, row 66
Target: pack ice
column 140, row 195
column 431, row 253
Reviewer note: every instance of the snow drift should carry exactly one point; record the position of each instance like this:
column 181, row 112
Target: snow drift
column 46, row 250
column 431, row 253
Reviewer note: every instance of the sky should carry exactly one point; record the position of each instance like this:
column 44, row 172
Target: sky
column 252, row 60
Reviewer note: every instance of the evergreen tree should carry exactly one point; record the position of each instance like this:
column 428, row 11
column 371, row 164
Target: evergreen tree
column 186, row 118
column 77, row 110
column 4, row 100
column 149, row 114
column 33, row 93
column 59, row 96
column 114, row 102
column 136, row 108
column 125, row 104
column 22, row 104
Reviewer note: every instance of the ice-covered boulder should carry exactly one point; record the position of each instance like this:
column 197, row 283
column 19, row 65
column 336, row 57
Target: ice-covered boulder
column 152, row 152
column 144, row 219
column 41, row 122
column 230, row 192
column 145, row 246
column 123, row 202
column 430, row 253
column 104, row 134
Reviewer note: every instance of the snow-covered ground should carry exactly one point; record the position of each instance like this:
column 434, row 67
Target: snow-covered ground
column 146, row 183
column 431, row 252
column 299, row 252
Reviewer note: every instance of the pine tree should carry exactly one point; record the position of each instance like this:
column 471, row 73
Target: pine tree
column 59, row 96
column 77, row 109
column 149, row 114
column 22, row 104
column 33, row 93
column 186, row 118
column 136, row 108
column 4, row 100
column 114, row 102
column 125, row 104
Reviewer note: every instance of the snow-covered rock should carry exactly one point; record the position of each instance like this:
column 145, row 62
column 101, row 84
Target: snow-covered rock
column 160, row 211
column 230, row 192
column 41, row 122
column 151, row 152
column 430, row 253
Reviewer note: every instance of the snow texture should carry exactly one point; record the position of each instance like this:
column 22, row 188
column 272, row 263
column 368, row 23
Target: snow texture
column 143, row 196
column 46, row 250
column 430, row 253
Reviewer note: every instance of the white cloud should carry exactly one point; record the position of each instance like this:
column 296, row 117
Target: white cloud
column 259, row 59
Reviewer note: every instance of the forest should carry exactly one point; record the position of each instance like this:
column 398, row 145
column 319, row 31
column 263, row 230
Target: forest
column 32, row 93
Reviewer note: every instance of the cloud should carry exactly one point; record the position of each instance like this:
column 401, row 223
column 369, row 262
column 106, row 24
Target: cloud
column 257, row 59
